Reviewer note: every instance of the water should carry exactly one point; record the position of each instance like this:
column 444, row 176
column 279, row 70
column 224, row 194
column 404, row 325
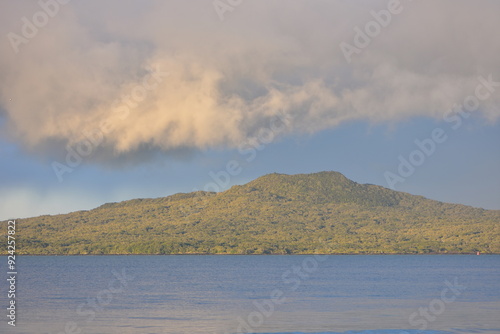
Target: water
column 433, row 294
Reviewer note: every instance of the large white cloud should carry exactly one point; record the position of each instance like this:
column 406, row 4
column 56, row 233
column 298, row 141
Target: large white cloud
column 226, row 79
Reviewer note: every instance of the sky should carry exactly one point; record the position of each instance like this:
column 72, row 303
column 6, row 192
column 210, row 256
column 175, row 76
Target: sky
column 108, row 101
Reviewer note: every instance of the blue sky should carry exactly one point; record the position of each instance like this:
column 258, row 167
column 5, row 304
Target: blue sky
column 463, row 170
column 165, row 95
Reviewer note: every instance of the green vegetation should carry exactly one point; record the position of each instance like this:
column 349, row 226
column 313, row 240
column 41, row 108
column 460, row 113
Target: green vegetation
column 274, row 214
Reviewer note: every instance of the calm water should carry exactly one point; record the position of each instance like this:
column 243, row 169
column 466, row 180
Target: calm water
column 259, row 294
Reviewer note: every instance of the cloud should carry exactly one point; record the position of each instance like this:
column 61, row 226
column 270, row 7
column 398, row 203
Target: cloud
column 170, row 76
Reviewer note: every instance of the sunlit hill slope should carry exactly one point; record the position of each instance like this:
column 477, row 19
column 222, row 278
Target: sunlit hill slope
column 274, row 214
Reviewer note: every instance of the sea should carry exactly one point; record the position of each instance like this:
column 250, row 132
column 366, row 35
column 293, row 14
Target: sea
column 226, row 294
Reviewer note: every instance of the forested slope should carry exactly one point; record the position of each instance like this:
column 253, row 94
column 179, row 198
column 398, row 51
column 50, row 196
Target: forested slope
column 274, row 214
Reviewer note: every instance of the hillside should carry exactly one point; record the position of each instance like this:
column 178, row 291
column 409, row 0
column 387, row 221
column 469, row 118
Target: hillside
column 274, row 214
